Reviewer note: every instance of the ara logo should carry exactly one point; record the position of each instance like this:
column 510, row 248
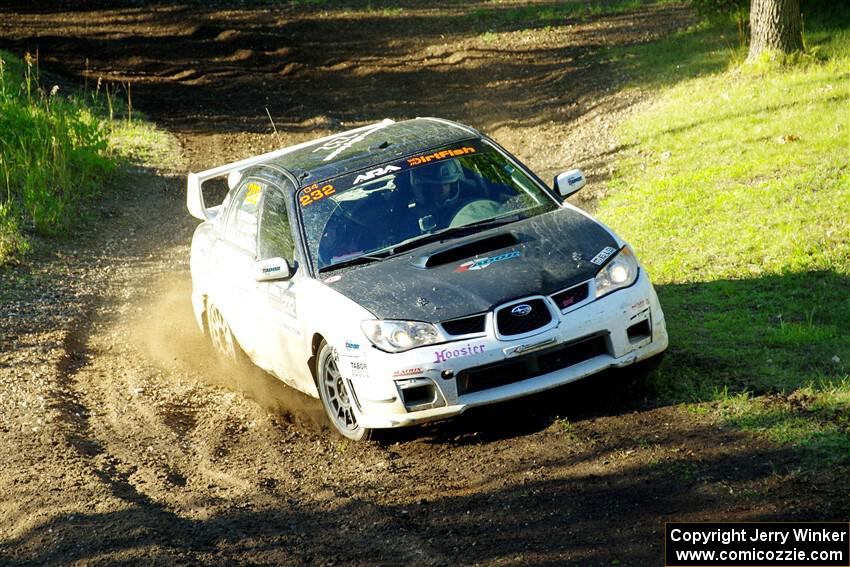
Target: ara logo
column 375, row 173
column 482, row 263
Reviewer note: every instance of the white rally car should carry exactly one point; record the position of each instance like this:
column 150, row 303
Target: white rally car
column 404, row 272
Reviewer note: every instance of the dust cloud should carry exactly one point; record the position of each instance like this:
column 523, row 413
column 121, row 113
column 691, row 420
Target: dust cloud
column 171, row 340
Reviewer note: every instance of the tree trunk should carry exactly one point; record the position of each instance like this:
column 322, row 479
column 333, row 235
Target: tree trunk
column 775, row 25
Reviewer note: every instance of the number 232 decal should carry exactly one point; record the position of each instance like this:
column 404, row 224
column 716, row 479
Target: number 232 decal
column 315, row 193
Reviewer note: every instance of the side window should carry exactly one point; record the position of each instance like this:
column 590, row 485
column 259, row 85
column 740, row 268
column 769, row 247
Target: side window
column 275, row 231
column 241, row 227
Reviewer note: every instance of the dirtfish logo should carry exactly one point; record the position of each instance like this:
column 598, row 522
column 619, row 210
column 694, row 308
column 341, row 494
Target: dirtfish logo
column 369, row 175
column 482, row 263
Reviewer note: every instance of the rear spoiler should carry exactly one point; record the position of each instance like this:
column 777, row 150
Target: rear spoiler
column 195, row 196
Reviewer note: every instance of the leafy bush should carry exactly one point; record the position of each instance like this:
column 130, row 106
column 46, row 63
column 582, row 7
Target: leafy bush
column 54, row 156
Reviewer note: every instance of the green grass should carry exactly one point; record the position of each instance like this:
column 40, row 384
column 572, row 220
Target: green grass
column 734, row 189
column 707, row 48
column 555, row 13
column 59, row 152
column 816, row 420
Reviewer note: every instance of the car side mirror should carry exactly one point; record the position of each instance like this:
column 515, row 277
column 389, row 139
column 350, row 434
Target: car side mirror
column 569, row 182
column 272, row 269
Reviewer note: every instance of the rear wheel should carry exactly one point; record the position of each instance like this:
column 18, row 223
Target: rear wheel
column 335, row 395
column 221, row 337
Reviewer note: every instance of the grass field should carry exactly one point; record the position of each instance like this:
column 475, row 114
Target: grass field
column 735, row 191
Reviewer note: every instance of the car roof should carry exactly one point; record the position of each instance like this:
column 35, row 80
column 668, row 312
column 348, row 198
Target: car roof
column 360, row 149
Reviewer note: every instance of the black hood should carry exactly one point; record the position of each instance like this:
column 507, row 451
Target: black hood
column 473, row 274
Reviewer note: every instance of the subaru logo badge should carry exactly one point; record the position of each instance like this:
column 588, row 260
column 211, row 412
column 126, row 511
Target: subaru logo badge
column 521, row 310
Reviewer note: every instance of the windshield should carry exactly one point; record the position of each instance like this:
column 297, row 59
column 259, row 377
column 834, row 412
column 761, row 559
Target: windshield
column 372, row 211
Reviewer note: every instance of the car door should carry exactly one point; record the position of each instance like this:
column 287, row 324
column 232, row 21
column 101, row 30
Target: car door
column 281, row 345
column 233, row 288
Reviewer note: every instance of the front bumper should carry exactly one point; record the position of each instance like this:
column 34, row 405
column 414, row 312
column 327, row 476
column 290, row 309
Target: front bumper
column 440, row 381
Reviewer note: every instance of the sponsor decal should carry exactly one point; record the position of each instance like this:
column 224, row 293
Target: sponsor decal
column 351, row 180
column 253, row 195
column 359, row 370
column 349, row 345
column 603, row 255
column 342, row 143
column 337, row 143
column 574, row 180
column 314, row 193
column 407, row 372
column 286, row 301
column 460, row 352
column 640, row 304
column 482, row 263
column 419, row 160
column 271, row 269
column 369, row 175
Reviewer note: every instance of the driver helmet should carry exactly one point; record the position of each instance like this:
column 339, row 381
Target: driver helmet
column 441, row 173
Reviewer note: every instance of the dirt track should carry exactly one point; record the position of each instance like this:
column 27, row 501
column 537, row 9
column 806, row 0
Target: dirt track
column 123, row 444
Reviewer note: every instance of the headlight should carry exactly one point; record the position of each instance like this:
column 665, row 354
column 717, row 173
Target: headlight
column 620, row 272
column 397, row 336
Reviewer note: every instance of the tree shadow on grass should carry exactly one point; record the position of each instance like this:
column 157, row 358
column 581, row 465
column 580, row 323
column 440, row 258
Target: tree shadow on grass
column 771, row 353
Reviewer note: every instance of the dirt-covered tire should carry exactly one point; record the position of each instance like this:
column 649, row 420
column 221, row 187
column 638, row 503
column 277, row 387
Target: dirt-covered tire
column 335, row 396
column 223, row 342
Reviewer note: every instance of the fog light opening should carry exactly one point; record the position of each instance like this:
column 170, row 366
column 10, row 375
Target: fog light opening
column 639, row 331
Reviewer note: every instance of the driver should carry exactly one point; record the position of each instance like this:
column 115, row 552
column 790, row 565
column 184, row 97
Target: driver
column 437, row 191
column 338, row 242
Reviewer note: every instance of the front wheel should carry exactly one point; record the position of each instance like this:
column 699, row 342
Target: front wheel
column 335, row 395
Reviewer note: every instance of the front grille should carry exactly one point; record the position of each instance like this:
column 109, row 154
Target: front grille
column 571, row 296
column 465, row 325
column 529, row 365
column 510, row 323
